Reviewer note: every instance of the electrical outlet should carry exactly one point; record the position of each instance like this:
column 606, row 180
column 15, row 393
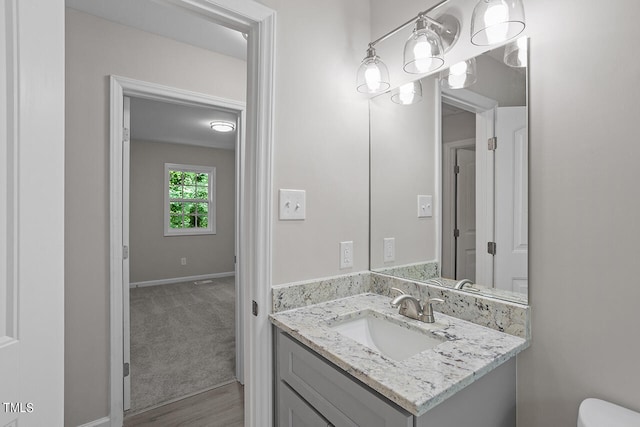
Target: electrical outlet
column 389, row 248
column 183, row 261
column 346, row 254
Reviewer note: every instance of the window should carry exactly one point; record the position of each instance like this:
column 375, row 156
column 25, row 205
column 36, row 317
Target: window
column 190, row 202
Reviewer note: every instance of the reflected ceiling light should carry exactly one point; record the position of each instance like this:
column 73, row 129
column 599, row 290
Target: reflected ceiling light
column 223, row 126
column 494, row 21
column 373, row 75
column 423, row 51
column 407, row 94
column 515, row 53
column 460, row 75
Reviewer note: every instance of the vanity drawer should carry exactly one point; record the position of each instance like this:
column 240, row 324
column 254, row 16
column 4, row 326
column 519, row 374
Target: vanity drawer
column 293, row 411
column 339, row 398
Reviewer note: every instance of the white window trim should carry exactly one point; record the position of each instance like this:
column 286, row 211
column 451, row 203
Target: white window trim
column 211, row 228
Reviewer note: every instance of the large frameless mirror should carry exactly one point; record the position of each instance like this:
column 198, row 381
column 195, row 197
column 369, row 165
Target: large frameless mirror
column 449, row 177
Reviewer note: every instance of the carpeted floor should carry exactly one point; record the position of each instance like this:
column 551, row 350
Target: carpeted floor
column 182, row 340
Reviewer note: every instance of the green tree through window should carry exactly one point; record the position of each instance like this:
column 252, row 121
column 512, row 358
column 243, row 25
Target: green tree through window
column 190, row 198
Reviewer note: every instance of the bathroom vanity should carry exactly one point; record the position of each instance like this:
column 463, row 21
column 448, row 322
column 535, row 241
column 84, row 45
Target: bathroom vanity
column 327, row 374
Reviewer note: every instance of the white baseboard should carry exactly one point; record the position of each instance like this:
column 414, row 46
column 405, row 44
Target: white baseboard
column 102, row 422
column 180, row 279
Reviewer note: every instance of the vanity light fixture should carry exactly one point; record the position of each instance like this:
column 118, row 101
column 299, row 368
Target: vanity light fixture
column 495, row 21
column 515, row 53
column 222, row 126
column 407, row 94
column 373, row 75
column 460, row 75
column 423, row 51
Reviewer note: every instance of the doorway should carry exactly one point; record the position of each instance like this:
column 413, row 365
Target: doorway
column 183, row 298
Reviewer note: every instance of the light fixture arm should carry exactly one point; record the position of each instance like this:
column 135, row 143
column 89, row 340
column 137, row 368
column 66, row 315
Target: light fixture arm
column 421, row 15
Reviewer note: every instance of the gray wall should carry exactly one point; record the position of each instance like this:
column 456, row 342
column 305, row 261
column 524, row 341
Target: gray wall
column 155, row 256
column 96, row 48
column 583, row 210
column 321, row 136
column 403, row 146
column 459, row 126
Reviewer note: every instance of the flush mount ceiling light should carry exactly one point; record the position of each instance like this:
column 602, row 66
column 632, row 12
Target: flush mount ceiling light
column 407, row 94
column 373, row 75
column 460, row 75
column 515, row 53
column 423, row 50
column 495, row 21
column 222, row 126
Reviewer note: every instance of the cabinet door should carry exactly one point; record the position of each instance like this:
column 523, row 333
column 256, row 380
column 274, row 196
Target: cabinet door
column 293, row 411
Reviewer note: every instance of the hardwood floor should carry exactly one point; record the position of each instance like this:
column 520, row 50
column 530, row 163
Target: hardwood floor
column 220, row 407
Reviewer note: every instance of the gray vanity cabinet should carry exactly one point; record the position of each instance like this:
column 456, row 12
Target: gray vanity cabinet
column 310, row 391
column 337, row 397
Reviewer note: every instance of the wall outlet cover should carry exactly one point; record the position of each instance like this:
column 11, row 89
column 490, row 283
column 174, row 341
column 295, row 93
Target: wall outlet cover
column 389, row 249
column 346, row 254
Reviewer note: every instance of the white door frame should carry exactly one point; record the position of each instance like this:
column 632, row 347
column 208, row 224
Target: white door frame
column 121, row 90
column 485, row 111
column 254, row 255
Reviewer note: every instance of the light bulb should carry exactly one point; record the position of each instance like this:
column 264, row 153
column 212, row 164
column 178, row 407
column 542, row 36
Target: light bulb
column 372, row 77
column 406, row 93
column 495, row 20
column 459, row 69
column 422, row 53
column 522, row 51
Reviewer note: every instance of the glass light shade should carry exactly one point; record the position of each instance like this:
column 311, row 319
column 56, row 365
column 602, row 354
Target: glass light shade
column 373, row 75
column 407, row 94
column 460, row 75
column 494, row 21
column 223, row 126
column 515, row 53
column 423, row 51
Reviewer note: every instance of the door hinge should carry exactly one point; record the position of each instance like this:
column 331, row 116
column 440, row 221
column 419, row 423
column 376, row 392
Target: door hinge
column 456, row 233
column 491, row 248
column 125, row 252
column 456, row 169
column 125, row 134
column 492, row 143
column 235, row 259
column 254, row 308
column 126, row 369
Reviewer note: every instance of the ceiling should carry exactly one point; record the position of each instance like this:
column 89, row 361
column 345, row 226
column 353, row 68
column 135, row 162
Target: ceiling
column 179, row 124
column 161, row 121
column 152, row 16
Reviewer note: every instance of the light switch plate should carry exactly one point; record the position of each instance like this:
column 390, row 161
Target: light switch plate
column 292, row 205
column 346, row 254
column 425, row 206
column 389, row 248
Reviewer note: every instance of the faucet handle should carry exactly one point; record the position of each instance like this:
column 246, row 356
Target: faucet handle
column 400, row 291
column 427, row 310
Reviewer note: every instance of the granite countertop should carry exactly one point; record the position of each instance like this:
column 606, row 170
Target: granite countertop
column 418, row 383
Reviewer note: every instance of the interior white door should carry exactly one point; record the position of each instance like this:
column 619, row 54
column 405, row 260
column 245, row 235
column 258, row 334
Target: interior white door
column 511, row 193
column 31, row 178
column 126, row 161
column 466, row 214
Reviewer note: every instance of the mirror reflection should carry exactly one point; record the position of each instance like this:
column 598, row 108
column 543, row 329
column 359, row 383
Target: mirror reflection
column 449, row 177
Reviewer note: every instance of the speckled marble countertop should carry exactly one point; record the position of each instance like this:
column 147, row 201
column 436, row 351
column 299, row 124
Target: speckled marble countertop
column 418, row 383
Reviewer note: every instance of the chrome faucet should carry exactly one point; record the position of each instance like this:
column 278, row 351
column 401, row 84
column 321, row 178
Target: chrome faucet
column 460, row 284
column 410, row 307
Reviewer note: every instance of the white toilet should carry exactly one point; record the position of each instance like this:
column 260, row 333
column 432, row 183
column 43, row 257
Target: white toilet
column 599, row 413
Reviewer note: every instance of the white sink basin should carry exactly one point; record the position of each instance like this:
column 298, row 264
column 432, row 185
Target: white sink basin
column 387, row 337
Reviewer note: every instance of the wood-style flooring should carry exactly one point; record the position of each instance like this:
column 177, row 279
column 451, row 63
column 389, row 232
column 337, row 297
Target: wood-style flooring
column 220, row 407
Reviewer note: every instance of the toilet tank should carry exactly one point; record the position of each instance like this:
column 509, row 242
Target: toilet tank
column 599, row 413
